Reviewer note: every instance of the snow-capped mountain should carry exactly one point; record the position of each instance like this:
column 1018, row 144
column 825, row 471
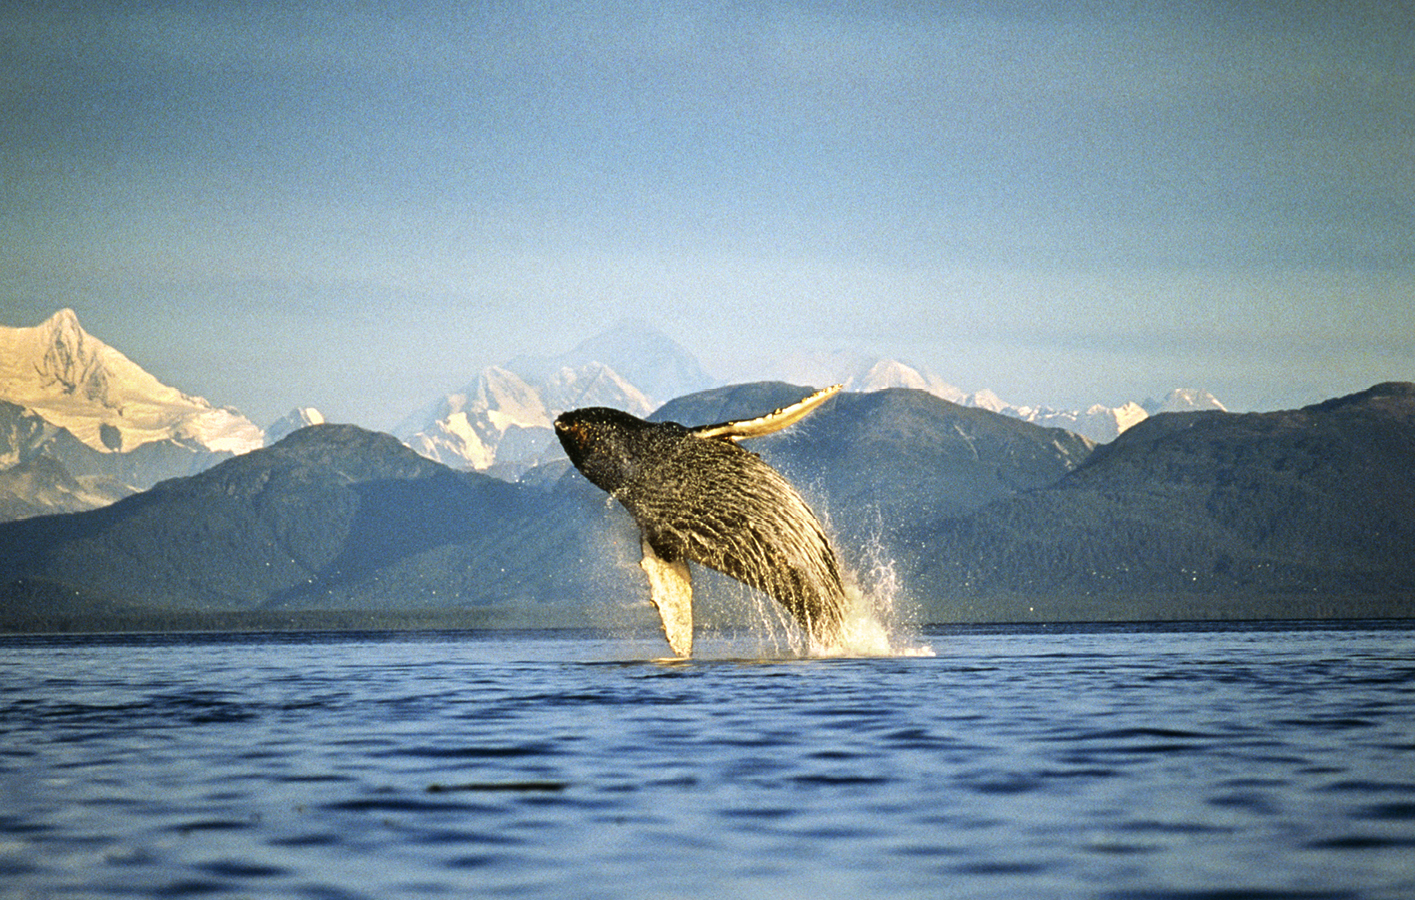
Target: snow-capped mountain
column 110, row 425
column 465, row 429
column 1100, row 423
column 636, row 352
column 291, row 422
column 859, row 372
column 986, row 399
column 1184, row 400
column 503, row 421
column 74, row 381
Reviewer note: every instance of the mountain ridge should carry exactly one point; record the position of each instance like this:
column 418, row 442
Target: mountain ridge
column 500, row 422
column 84, row 404
column 1295, row 513
column 1314, row 501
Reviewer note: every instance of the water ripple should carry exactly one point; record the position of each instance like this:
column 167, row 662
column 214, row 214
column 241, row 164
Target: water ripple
column 1153, row 765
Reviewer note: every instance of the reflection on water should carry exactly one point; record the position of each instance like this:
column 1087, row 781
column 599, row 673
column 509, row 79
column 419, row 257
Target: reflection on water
column 1161, row 763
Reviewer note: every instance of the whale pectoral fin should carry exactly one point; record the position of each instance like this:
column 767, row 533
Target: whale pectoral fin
column 671, row 591
column 769, row 423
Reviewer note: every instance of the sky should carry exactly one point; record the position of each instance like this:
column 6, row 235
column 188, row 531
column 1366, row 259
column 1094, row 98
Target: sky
column 357, row 206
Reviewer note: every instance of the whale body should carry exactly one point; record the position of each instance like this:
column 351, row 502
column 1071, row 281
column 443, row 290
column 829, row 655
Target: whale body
column 698, row 497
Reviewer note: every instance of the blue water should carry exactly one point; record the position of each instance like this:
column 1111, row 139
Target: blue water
column 1161, row 763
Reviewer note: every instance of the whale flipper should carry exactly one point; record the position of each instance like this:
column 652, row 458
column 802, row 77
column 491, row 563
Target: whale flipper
column 771, row 422
column 671, row 592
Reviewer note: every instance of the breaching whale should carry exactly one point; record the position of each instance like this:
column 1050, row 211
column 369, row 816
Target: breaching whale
column 698, row 497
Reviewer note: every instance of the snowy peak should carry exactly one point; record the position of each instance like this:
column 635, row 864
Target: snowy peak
column 1099, row 423
column 594, row 384
column 503, row 420
column 507, row 400
column 859, row 373
column 986, row 399
column 637, row 354
column 891, row 373
column 81, row 424
column 464, row 430
column 1184, row 400
column 506, row 421
column 291, row 422
column 57, row 364
column 75, row 381
column 68, row 364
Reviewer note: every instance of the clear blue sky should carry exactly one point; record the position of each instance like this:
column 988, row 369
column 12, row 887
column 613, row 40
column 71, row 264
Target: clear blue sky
column 357, row 206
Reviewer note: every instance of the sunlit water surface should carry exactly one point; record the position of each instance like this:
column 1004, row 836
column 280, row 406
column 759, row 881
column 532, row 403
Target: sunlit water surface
column 1149, row 763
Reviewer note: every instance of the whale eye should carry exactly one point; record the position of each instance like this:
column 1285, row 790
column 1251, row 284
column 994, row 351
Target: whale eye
column 576, row 437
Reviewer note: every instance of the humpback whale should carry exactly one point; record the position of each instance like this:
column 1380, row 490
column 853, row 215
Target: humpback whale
column 698, row 497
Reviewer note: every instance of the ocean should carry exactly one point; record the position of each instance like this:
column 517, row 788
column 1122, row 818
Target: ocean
column 1177, row 762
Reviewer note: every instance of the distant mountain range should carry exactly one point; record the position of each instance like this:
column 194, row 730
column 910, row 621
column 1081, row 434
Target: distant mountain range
column 867, row 373
column 979, row 516
column 500, row 423
column 82, row 425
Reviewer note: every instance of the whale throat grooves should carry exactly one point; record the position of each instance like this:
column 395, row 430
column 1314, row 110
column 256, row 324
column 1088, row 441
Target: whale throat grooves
column 719, row 506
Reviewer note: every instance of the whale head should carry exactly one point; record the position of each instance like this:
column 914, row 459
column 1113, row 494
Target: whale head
column 607, row 445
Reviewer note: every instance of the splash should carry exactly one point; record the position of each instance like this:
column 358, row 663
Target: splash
column 728, row 619
column 879, row 620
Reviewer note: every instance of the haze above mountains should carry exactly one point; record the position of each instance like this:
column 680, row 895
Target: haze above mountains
column 81, row 425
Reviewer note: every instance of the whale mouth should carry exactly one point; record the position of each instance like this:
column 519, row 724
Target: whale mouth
column 574, row 437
